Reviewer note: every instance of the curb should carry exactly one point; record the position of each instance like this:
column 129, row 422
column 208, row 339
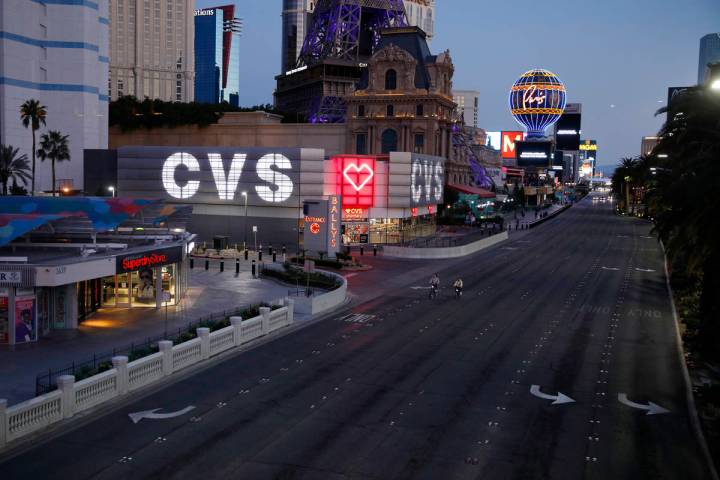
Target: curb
column 692, row 408
column 549, row 217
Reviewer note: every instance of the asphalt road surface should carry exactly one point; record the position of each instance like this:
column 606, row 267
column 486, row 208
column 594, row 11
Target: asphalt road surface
column 405, row 387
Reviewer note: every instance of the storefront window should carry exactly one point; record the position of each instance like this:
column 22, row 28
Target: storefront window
column 143, row 283
column 108, row 292
column 43, row 310
column 25, row 320
column 169, row 282
column 60, row 306
column 122, row 292
column 4, row 320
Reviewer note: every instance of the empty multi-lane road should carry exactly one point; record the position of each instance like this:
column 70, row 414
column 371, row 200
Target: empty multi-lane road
column 560, row 361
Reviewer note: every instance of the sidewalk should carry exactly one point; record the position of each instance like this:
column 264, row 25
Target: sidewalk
column 210, row 292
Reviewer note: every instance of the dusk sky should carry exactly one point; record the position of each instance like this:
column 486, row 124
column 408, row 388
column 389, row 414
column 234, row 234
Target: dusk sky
column 616, row 57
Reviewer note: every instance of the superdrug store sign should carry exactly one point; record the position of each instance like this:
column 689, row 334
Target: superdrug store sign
column 151, row 259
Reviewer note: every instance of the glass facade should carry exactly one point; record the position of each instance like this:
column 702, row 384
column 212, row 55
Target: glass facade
column 217, row 57
column 709, row 53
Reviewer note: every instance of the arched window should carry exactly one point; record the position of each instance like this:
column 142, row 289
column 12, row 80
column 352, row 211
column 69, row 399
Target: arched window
column 389, row 141
column 390, row 80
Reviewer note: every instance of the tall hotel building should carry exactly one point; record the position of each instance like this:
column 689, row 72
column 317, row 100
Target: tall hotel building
column 421, row 13
column 151, row 49
column 709, row 53
column 55, row 51
column 296, row 17
column 217, row 56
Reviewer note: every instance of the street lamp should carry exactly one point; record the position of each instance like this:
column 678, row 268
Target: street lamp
column 715, row 85
column 245, row 195
column 111, row 189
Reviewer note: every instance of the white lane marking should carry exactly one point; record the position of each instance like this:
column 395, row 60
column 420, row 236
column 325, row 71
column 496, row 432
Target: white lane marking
column 350, row 275
column 559, row 399
column 648, row 270
column 613, row 269
column 150, row 414
column 651, row 408
column 419, row 288
column 357, row 318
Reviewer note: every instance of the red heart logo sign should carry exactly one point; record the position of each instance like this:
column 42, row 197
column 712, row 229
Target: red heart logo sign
column 363, row 174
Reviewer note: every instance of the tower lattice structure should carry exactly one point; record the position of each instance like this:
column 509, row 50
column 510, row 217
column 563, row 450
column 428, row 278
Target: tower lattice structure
column 349, row 29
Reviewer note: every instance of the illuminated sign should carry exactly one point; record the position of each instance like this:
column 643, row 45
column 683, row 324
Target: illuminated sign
column 278, row 187
column 427, row 180
column 568, row 132
column 508, row 143
column 356, row 180
column 537, row 99
column 322, row 226
column 334, row 230
column 158, row 258
column 589, row 146
column 355, row 214
column 296, row 70
column 204, row 13
column 493, row 140
column 533, row 154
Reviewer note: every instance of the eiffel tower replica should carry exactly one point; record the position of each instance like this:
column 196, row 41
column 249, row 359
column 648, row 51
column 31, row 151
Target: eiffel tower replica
column 342, row 36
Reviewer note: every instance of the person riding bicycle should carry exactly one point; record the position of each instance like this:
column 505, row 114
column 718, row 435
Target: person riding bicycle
column 434, row 284
column 458, row 285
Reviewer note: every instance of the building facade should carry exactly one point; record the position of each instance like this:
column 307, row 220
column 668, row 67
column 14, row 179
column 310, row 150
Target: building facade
column 296, row 16
column 467, row 104
column 404, row 101
column 152, row 49
column 421, row 13
column 57, row 53
column 709, row 53
column 217, row 55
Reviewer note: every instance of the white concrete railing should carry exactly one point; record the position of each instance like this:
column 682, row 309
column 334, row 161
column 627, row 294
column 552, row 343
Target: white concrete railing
column 74, row 397
column 323, row 302
column 444, row 252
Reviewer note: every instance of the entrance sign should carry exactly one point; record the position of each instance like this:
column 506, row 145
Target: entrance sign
column 322, row 226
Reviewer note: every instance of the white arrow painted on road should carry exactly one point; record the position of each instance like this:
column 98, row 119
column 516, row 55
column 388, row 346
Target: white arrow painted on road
column 559, row 399
column 652, row 408
column 644, row 270
column 611, row 268
column 137, row 416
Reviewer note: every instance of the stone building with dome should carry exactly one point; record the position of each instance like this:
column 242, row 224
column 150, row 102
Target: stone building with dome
column 404, row 102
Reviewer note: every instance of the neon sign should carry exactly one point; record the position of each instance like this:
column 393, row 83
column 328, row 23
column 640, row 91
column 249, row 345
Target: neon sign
column 537, row 100
column 278, row 186
column 426, row 180
column 508, row 143
column 149, row 260
column 356, row 180
column 334, row 222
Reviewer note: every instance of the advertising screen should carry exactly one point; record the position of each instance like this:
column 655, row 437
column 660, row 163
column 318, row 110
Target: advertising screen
column 508, row 143
column 356, row 180
column 25, row 321
column 567, row 132
column 534, row 154
column 221, row 176
column 493, row 140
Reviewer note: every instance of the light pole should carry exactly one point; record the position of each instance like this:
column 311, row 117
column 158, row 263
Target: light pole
column 245, row 195
column 111, row 189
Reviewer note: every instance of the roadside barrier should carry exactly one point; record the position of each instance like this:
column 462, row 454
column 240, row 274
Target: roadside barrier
column 72, row 398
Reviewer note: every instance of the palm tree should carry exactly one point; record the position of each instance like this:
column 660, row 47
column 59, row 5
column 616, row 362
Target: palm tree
column 33, row 114
column 686, row 200
column 13, row 167
column 54, row 146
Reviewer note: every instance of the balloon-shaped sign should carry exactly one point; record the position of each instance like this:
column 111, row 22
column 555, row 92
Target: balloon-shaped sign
column 537, row 99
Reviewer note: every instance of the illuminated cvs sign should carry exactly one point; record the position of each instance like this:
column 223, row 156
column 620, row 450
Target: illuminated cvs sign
column 427, row 179
column 356, row 180
column 181, row 176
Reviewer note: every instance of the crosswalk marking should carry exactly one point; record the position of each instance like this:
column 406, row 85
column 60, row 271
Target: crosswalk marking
column 356, row 318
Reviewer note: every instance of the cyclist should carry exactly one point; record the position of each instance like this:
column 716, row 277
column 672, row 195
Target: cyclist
column 458, row 285
column 434, row 285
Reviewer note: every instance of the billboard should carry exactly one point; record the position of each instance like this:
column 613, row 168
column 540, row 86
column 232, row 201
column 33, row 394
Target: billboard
column 534, row 154
column 508, row 143
column 674, row 92
column 25, row 320
column 219, row 175
column 356, row 180
column 567, row 132
column 427, row 180
column 493, row 140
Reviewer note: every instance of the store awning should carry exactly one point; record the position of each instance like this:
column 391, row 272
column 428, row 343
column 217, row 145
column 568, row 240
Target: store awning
column 480, row 192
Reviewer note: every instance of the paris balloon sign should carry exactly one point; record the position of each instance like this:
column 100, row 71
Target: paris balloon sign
column 537, row 100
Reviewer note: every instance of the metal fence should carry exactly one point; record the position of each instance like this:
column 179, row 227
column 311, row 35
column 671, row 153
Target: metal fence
column 46, row 382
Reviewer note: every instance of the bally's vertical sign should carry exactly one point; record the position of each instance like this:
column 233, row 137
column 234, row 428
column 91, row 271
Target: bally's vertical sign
column 322, row 226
